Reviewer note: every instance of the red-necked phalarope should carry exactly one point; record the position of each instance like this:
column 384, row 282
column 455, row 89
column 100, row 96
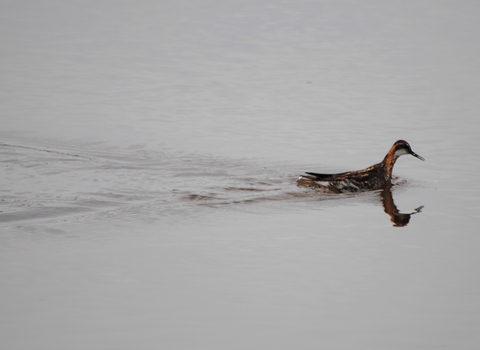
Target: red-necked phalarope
column 372, row 178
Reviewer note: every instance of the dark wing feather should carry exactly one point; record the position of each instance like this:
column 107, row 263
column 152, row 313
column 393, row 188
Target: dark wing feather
column 359, row 175
column 326, row 177
column 371, row 178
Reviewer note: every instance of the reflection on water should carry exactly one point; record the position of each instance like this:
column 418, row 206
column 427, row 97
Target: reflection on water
column 399, row 219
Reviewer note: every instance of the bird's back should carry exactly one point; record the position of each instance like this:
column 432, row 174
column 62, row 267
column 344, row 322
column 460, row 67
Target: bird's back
column 351, row 181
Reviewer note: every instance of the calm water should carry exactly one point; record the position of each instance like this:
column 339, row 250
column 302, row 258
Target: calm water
column 148, row 159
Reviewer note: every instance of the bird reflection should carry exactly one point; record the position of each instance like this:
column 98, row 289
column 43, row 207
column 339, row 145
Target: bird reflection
column 398, row 219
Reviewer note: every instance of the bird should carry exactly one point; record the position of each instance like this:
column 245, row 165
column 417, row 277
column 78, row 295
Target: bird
column 375, row 177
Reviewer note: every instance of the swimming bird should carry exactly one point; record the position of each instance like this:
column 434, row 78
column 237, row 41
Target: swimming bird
column 372, row 178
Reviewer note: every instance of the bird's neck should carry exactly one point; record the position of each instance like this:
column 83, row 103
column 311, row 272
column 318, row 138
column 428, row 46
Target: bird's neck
column 389, row 162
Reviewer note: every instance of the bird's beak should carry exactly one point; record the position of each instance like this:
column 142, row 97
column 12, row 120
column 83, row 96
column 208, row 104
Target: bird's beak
column 417, row 156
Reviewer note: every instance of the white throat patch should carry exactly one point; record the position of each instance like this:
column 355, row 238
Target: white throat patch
column 401, row 152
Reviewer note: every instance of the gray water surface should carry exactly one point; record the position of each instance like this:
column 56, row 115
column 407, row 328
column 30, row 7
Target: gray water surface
column 149, row 153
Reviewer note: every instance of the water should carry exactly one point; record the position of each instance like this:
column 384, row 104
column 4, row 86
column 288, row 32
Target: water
column 148, row 159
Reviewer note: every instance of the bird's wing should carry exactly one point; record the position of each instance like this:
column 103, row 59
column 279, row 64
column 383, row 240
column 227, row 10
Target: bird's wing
column 359, row 175
column 324, row 177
